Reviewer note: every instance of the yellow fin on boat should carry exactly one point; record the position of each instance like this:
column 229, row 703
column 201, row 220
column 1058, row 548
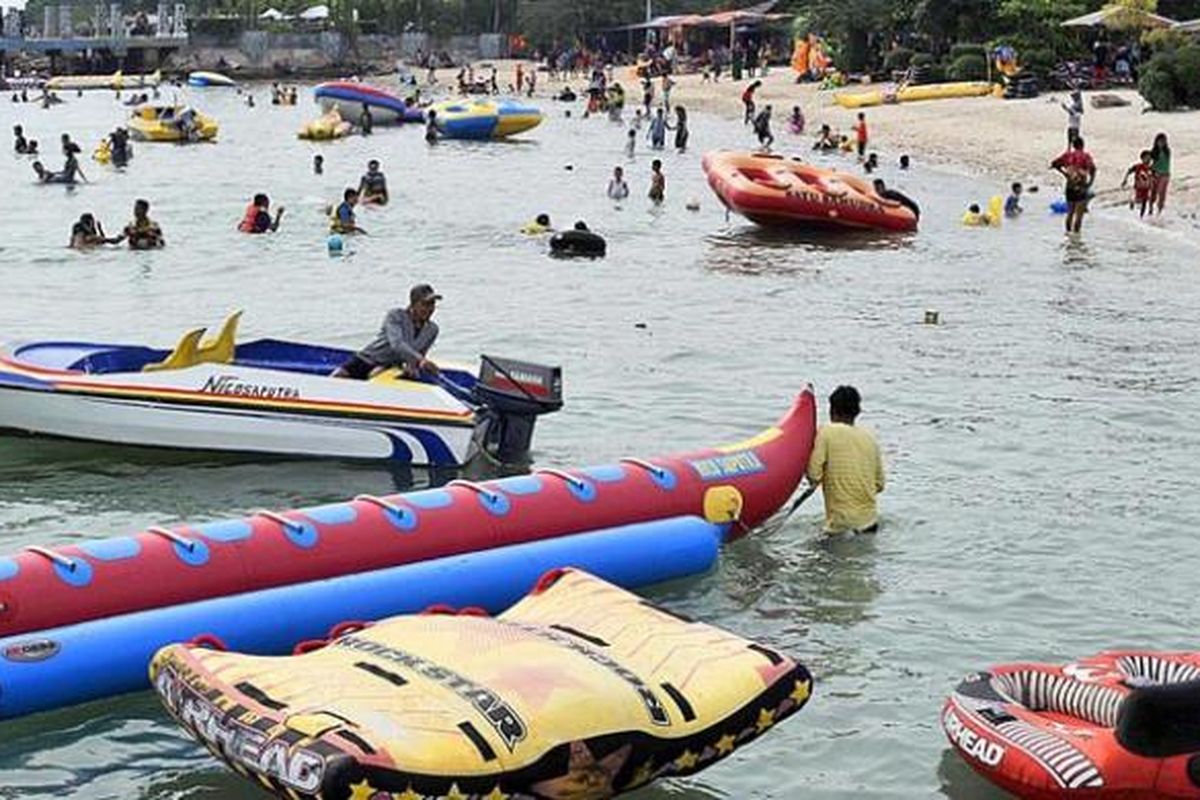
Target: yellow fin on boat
column 220, row 349
column 183, row 356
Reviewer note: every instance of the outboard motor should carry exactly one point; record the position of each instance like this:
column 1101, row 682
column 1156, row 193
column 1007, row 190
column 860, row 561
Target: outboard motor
column 512, row 395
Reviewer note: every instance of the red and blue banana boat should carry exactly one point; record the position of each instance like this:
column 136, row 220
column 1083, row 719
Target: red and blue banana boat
column 1123, row 725
column 739, row 485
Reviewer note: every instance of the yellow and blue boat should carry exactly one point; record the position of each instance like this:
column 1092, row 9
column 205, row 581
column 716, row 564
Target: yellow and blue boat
column 152, row 123
column 911, row 94
column 484, row 119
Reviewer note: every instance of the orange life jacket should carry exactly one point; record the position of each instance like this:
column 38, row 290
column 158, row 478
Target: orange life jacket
column 247, row 223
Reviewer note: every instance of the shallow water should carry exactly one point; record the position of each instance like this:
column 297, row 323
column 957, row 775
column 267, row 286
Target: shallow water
column 1040, row 440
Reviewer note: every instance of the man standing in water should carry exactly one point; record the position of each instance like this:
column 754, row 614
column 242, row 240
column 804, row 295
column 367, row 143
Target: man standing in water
column 1077, row 166
column 848, row 467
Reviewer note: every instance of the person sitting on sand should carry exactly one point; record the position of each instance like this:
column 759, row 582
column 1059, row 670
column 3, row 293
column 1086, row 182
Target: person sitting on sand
column 539, row 226
column 88, row 233
column 372, row 188
column 258, row 216
column 343, row 220
column 404, row 340
column 143, row 233
column 895, row 196
column 618, row 189
column 1012, row 206
column 847, row 465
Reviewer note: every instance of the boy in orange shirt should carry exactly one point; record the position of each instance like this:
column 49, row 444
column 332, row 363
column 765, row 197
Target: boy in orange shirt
column 1143, row 181
column 860, row 132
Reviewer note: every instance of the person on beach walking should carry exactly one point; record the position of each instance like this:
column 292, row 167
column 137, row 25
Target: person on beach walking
column 1143, row 182
column 1079, row 170
column 1161, row 155
column 748, row 102
column 762, row 128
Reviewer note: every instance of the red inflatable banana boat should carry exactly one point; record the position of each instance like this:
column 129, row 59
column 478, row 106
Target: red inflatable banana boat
column 1119, row 726
column 741, row 484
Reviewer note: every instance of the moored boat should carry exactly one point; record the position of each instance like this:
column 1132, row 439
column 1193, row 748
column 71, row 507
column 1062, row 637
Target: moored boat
column 910, row 94
column 776, row 191
column 152, row 123
column 1120, row 725
column 554, row 698
column 484, row 119
column 117, row 80
column 204, row 79
column 269, row 396
column 349, row 98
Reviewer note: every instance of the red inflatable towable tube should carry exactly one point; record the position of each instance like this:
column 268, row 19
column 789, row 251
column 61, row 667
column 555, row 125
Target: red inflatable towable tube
column 1124, row 725
column 742, row 483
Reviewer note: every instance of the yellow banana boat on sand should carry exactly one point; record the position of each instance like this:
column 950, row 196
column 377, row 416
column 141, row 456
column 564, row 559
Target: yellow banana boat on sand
column 118, row 80
column 909, row 94
column 171, row 124
column 581, row 691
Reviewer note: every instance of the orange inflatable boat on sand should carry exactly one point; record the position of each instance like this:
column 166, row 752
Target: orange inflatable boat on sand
column 774, row 190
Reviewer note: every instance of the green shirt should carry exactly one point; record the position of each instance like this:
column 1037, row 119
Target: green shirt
column 1162, row 162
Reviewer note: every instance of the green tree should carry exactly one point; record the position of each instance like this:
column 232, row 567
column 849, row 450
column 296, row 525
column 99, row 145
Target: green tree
column 850, row 23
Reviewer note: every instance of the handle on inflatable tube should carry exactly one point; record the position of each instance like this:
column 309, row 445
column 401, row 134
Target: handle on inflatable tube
column 578, row 483
column 289, row 524
column 65, row 562
column 175, row 538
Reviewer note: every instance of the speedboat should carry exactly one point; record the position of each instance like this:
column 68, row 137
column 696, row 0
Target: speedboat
column 271, row 396
column 152, row 123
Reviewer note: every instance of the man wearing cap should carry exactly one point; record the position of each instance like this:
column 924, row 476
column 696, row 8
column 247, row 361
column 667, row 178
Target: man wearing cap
column 403, row 340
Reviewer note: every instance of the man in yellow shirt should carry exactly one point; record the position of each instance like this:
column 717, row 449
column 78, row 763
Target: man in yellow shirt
column 847, row 465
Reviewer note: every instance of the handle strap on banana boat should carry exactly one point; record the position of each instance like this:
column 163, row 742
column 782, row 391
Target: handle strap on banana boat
column 66, row 562
column 578, row 483
column 380, row 502
column 484, row 492
column 289, row 524
column 172, row 536
column 653, row 469
column 779, row 520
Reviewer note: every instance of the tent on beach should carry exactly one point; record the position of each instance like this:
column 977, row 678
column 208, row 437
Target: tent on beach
column 1119, row 17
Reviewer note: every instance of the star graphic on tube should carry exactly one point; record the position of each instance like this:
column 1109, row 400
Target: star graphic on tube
column 765, row 720
column 644, row 774
column 725, row 744
column 687, row 760
column 408, row 794
column 586, row 777
column 495, row 794
column 801, row 692
column 363, row 790
column 455, row 793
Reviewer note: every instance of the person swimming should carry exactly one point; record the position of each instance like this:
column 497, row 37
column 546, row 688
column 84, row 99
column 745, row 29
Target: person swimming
column 372, row 188
column 540, row 225
column 618, row 189
column 343, row 220
column 143, row 233
column 257, row 218
column 118, row 146
column 884, row 193
column 46, row 176
column 88, row 233
column 318, row 164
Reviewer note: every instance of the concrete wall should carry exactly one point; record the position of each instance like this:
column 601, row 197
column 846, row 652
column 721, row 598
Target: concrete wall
column 311, row 50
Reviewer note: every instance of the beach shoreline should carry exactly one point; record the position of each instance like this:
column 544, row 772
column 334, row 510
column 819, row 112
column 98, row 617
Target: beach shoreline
column 996, row 140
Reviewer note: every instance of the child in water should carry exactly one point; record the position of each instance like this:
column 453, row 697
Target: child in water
column 796, row 121
column 618, row 189
column 681, row 129
column 1012, row 206
column 762, row 128
column 658, row 130
column 658, row 182
column 631, row 142
column 1143, row 182
column 318, row 164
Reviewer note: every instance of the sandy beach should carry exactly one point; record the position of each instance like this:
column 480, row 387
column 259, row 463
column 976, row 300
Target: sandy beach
column 1000, row 140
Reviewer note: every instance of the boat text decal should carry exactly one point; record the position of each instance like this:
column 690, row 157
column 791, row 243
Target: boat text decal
column 297, row 768
column 234, row 386
column 658, row 714
column 499, row 714
column 743, row 462
column 982, row 750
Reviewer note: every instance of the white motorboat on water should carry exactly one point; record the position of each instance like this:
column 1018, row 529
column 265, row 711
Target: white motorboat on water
column 270, row 396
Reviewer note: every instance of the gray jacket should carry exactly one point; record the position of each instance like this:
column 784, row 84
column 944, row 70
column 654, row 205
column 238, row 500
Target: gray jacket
column 399, row 343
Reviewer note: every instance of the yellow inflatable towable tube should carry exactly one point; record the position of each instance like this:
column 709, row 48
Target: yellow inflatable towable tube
column 581, row 691
column 909, row 94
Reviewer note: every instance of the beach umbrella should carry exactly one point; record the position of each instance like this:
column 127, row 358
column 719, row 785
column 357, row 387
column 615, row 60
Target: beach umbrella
column 1119, row 17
